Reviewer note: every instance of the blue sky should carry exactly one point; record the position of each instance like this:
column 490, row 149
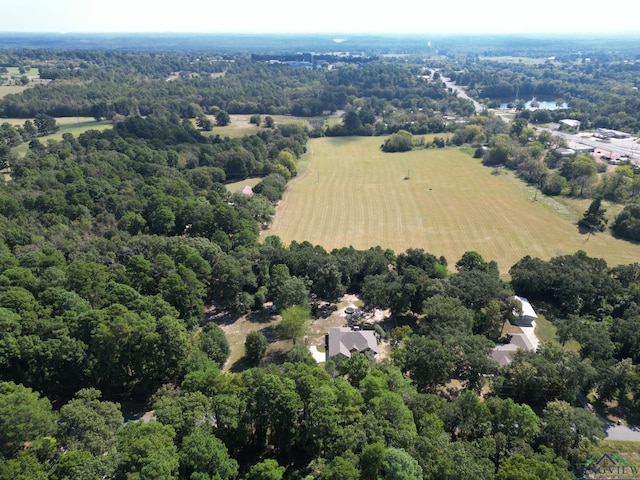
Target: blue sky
column 331, row 16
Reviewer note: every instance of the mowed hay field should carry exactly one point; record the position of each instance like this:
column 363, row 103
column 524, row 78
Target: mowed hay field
column 351, row 193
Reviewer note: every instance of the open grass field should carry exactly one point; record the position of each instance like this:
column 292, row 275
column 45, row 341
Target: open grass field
column 351, row 193
column 73, row 125
column 8, row 89
column 237, row 186
column 512, row 59
column 240, row 125
column 629, row 451
column 33, row 72
column 78, row 125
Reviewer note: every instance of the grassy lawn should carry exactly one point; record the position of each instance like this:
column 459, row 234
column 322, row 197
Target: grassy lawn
column 78, row 125
column 13, row 121
column 33, row 72
column 546, row 332
column 629, row 451
column 237, row 186
column 351, row 193
column 236, row 330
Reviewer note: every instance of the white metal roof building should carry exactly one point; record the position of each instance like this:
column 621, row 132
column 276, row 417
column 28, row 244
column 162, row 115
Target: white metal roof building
column 528, row 316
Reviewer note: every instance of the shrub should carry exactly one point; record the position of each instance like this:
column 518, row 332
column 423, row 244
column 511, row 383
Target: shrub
column 398, row 142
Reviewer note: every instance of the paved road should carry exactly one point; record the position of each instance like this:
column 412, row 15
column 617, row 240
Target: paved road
column 622, row 432
column 611, row 430
column 461, row 93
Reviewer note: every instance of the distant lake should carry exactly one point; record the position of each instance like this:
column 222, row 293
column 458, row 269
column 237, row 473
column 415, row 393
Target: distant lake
column 538, row 104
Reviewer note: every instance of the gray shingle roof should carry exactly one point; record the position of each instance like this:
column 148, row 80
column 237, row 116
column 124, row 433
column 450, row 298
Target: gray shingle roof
column 504, row 353
column 343, row 340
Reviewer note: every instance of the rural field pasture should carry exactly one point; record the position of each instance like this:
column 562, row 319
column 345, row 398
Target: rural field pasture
column 518, row 60
column 77, row 125
column 73, row 125
column 234, row 187
column 9, row 89
column 32, row 72
column 240, row 125
column 441, row 200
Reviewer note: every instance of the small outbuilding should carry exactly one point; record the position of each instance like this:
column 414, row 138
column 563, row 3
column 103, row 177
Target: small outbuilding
column 565, row 152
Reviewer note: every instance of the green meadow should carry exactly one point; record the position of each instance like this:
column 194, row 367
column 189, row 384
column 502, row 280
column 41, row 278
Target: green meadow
column 240, row 125
column 9, row 89
column 628, row 451
column 33, row 72
column 73, row 125
column 440, row 200
column 237, row 186
column 512, row 59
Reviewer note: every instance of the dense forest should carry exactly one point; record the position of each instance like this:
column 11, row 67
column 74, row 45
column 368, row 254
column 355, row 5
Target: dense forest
column 117, row 245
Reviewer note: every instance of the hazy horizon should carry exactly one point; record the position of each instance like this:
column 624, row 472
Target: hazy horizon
column 329, row 17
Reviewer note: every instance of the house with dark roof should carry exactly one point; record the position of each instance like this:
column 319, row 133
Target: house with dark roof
column 344, row 341
column 503, row 353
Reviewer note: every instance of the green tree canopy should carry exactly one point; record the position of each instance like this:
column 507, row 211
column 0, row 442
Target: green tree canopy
column 255, row 346
column 86, row 423
column 340, row 469
column 213, row 341
column 268, row 469
column 402, row 141
column 147, row 451
column 203, row 456
column 222, row 118
column 24, row 417
column 295, row 321
column 399, row 465
column 593, row 219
